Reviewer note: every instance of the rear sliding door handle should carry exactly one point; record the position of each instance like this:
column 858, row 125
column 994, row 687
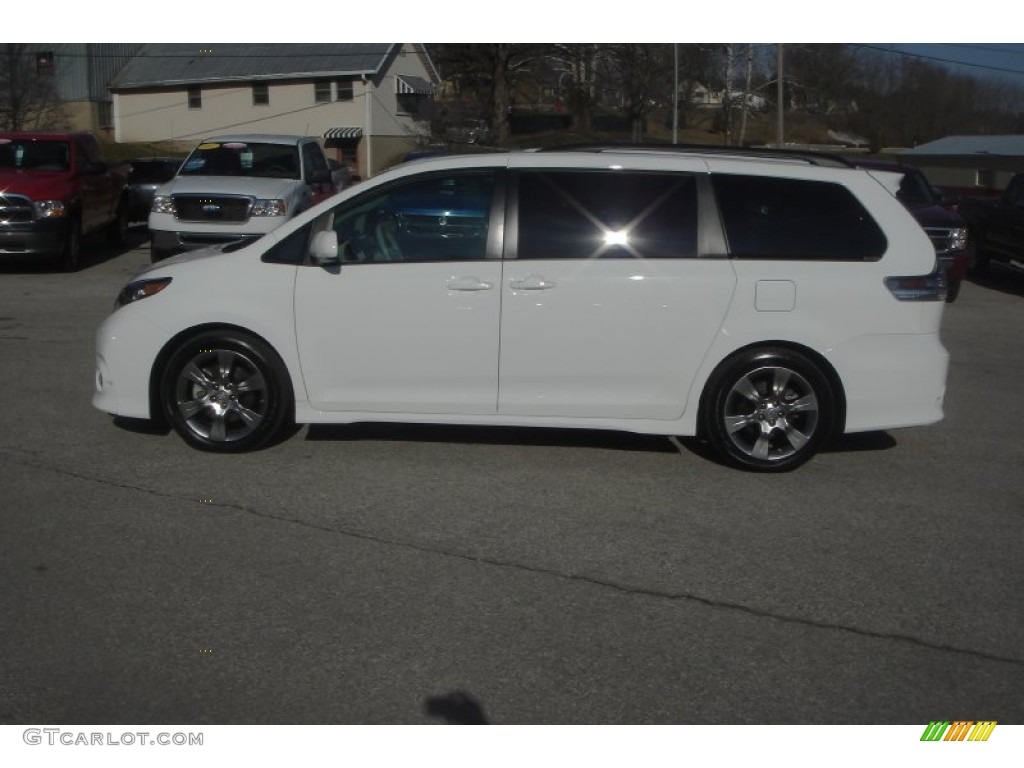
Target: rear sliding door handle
column 469, row 284
column 532, row 283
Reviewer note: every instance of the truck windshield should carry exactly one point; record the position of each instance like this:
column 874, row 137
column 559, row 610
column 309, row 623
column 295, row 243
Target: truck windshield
column 37, row 155
column 915, row 190
column 235, row 158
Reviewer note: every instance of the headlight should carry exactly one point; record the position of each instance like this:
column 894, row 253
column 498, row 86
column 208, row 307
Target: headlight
column 49, row 209
column 141, row 289
column 957, row 238
column 269, row 208
column 162, row 204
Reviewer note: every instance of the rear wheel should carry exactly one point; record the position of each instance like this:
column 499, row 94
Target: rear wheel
column 226, row 391
column 768, row 410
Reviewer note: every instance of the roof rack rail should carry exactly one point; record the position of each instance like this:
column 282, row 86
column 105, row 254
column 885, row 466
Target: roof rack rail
column 809, row 156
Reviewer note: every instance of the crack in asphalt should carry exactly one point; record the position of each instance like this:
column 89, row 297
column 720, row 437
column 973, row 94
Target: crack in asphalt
column 624, row 588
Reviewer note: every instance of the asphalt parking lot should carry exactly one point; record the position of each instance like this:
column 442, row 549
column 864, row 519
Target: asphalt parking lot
column 410, row 574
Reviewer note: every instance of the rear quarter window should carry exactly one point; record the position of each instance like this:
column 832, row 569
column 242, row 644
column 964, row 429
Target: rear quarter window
column 775, row 218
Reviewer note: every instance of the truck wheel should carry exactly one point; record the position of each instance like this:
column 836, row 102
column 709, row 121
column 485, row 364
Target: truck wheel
column 982, row 259
column 117, row 230
column 72, row 251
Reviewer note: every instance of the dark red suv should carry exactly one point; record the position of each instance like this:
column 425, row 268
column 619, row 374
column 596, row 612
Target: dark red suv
column 944, row 226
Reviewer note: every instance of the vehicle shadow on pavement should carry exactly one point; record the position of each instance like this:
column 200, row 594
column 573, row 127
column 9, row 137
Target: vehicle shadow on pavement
column 446, row 433
column 455, row 708
column 141, row 426
column 95, row 251
column 1003, row 279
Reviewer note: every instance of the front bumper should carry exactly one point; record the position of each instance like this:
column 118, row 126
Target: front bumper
column 166, row 244
column 127, row 344
column 956, row 263
column 42, row 238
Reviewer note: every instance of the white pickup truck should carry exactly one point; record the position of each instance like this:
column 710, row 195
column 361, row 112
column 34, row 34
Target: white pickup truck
column 235, row 189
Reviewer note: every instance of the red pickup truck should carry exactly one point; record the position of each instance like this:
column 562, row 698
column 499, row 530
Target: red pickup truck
column 55, row 188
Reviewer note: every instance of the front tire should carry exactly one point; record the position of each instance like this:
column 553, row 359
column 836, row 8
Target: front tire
column 71, row 254
column 117, row 230
column 768, row 410
column 226, row 392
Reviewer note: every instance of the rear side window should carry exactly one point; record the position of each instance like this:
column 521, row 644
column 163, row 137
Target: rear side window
column 606, row 214
column 772, row 218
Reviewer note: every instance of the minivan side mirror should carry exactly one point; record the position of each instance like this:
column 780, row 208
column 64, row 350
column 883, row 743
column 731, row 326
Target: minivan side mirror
column 324, row 249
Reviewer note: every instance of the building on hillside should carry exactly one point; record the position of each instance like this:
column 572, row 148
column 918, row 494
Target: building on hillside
column 369, row 103
column 80, row 73
column 969, row 165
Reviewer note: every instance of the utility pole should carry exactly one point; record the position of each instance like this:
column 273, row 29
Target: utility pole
column 781, row 106
column 675, row 94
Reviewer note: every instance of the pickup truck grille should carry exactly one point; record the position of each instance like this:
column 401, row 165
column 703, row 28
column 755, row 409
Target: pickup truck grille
column 216, row 208
column 15, row 209
column 941, row 238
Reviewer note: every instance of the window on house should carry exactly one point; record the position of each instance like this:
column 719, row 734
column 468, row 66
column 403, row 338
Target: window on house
column 985, row 177
column 44, row 62
column 344, row 90
column 104, row 114
column 195, row 98
column 322, row 91
column 260, row 94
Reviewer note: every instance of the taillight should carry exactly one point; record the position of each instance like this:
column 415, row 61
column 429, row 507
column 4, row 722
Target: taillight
column 930, row 287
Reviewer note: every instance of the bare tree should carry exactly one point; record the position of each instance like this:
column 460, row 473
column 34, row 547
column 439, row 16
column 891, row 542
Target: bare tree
column 747, row 95
column 488, row 72
column 643, row 73
column 28, row 93
column 581, row 61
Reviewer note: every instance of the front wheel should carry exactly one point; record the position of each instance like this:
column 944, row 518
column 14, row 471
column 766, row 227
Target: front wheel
column 226, row 391
column 117, row 230
column 71, row 253
column 768, row 410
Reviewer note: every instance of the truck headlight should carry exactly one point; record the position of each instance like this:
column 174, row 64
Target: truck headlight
column 49, row 209
column 275, row 207
column 162, row 204
column 957, row 238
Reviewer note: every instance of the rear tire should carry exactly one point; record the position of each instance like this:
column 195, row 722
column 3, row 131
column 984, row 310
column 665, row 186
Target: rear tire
column 226, row 392
column 768, row 410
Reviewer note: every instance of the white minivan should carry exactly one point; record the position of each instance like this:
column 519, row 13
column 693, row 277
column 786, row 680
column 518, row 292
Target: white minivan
column 763, row 301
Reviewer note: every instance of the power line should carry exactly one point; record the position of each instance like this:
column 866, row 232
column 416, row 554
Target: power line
column 939, row 59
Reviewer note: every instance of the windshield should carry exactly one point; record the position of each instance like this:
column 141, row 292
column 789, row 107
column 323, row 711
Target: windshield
column 38, row 155
column 915, row 190
column 144, row 171
column 235, row 158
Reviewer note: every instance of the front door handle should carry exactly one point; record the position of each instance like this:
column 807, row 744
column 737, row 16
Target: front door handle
column 469, row 283
column 532, row 283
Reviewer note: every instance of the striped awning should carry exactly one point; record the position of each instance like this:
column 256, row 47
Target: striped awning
column 409, row 84
column 347, row 132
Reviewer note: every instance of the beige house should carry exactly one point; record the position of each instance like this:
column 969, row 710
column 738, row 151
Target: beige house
column 368, row 102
